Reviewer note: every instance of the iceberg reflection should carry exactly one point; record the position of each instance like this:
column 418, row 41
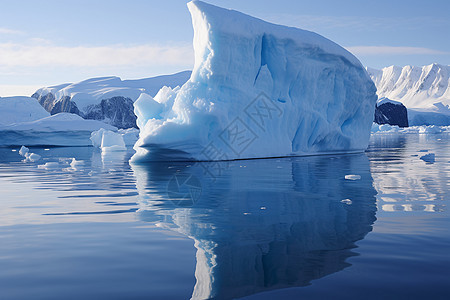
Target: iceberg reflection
column 261, row 224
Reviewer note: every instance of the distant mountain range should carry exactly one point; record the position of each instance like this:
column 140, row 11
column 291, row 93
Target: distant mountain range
column 425, row 91
column 107, row 99
column 426, row 87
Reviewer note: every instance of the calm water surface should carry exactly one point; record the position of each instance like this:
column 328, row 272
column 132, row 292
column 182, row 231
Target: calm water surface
column 292, row 228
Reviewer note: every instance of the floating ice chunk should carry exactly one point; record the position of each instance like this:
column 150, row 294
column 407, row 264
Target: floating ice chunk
column 76, row 163
column 146, row 108
column 108, row 140
column 424, row 129
column 96, row 137
column 130, row 135
column 430, row 129
column 32, row 157
column 49, row 166
column 284, row 90
column 112, row 141
column 352, row 177
column 429, row 158
column 23, row 150
column 347, row 201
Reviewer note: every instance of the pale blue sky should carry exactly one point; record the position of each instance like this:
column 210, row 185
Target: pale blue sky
column 50, row 42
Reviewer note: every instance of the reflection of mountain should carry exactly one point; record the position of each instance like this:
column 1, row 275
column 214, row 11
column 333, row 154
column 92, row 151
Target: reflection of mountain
column 264, row 224
column 405, row 182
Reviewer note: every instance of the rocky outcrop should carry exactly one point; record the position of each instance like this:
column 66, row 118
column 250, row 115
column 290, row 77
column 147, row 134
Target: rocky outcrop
column 117, row 111
column 392, row 113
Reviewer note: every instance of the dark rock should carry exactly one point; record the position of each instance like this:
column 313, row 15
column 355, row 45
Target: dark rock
column 392, row 114
column 117, row 111
column 65, row 105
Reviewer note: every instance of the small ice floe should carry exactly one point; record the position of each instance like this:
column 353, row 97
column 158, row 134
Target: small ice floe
column 49, row 166
column 429, row 158
column 76, row 163
column 347, row 201
column 29, row 157
column 32, row 157
column 23, row 150
column 352, row 177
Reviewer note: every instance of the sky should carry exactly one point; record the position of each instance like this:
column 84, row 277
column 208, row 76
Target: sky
column 49, row 42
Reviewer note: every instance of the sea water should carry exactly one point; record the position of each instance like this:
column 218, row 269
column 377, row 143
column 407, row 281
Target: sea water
column 359, row 226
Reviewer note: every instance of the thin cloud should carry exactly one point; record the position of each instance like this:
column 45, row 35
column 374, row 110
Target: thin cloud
column 390, row 50
column 10, row 31
column 12, row 54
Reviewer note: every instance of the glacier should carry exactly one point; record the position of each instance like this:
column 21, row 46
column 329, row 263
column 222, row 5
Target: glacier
column 257, row 90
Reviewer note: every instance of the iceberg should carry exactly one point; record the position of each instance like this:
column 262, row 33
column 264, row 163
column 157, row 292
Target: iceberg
column 108, row 141
column 20, row 109
column 63, row 129
column 257, row 90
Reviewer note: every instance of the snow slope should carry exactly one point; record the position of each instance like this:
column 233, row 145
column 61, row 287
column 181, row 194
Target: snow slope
column 425, row 91
column 20, row 109
column 258, row 90
column 415, row 87
column 109, row 99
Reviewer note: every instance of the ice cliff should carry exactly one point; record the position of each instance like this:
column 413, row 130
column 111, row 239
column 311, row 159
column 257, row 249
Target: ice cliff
column 258, row 90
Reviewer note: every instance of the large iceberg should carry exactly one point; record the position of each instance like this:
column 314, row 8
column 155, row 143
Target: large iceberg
column 20, row 109
column 257, row 90
column 63, row 129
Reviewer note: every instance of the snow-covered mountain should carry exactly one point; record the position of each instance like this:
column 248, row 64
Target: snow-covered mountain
column 425, row 91
column 416, row 87
column 108, row 99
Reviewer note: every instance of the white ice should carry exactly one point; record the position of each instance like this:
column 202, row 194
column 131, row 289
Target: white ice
column 108, row 141
column 394, row 129
column 63, row 129
column 20, row 109
column 352, row 177
column 258, row 90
